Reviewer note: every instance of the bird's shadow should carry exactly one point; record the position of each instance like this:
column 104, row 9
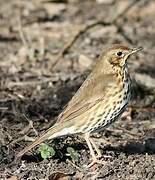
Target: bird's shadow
column 135, row 147
column 143, row 147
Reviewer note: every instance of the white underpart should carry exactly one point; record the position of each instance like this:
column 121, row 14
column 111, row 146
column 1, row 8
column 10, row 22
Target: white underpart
column 63, row 132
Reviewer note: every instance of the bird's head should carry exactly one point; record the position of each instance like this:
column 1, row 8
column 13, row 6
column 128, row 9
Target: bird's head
column 118, row 54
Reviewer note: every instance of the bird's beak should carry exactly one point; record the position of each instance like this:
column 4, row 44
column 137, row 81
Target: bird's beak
column 134, row 50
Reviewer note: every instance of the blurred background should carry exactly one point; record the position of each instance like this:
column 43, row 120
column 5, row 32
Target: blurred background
column 47, row 48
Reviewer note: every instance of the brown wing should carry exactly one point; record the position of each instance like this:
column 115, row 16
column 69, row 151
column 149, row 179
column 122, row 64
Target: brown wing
column 92, row 91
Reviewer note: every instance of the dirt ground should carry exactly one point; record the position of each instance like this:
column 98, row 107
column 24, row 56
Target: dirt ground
column 47, row 48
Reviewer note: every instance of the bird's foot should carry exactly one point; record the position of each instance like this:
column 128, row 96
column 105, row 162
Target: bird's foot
column 99, row 159
column 96, row 161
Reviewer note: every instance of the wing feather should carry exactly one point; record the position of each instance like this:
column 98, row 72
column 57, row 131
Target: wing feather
column 86, row 97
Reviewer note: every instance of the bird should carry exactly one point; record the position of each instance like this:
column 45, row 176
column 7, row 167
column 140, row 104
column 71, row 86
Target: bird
column 100, row 100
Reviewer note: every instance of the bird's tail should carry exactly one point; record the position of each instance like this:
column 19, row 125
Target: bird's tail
column 53, row 132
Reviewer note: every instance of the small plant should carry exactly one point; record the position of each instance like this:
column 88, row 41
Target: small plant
column 73, row 154
column 46, row 151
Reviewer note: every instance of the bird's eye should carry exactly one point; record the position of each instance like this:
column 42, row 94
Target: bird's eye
column 119, row 53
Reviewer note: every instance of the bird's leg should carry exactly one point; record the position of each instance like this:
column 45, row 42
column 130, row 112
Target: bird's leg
column 91, row 143
column 87, row 138
column 95, row 147
column 99, row 154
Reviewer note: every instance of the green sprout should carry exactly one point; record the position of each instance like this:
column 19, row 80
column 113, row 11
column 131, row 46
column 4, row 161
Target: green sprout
column 73, row 154
column 46, row 151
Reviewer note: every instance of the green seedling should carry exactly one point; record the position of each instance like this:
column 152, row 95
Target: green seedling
column 46, row 151
column 73, row 154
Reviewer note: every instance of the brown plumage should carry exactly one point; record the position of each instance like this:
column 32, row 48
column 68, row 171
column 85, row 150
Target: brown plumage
column 100, row 100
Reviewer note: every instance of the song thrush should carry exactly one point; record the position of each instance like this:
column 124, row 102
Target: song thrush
column 100, row 100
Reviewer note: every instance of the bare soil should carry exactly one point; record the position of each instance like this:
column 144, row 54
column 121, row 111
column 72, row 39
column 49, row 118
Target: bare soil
column 38, row 78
